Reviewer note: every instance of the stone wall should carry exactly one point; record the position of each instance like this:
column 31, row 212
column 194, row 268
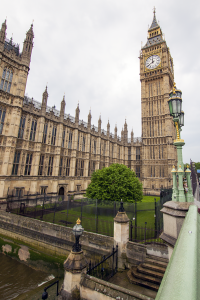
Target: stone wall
column 57, row 240
column 93, row 288
column 135, row 253
column 158, row 250
column 51, row 238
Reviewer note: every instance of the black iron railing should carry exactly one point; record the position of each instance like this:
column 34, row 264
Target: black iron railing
column 106, row 268
column 144, row 235
column 45, row 294
column 95, row 215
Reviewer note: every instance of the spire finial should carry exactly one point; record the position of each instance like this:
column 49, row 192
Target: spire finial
column 154, row 11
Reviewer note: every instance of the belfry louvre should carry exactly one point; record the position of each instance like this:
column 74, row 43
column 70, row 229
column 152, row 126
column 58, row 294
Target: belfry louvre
column 43, row 150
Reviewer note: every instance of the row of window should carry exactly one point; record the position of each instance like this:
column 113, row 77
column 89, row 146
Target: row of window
column 27, row 169
column 161, row 171
column 53, row 137
column 64, row 169
column 6, row 80
column 160, row 152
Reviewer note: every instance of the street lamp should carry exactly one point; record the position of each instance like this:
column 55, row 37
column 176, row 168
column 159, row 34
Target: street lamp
column 182, row 193
column 77, row 231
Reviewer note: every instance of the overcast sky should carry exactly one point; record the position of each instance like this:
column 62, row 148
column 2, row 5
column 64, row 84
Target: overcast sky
column 89, row 51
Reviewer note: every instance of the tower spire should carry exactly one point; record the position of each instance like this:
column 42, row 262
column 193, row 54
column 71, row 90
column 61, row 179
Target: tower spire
column 154, row 22
column 154, row 33
column 3, row 31
column 28, row 45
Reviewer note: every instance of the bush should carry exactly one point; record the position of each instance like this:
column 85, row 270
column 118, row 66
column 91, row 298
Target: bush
column 115, row 183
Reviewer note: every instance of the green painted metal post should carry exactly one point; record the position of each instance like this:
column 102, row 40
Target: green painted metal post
column 175, row 190
column 189, row 194
column 179, row 144
column 181, row 194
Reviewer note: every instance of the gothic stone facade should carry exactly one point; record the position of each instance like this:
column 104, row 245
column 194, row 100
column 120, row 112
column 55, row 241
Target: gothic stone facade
column 43, row 150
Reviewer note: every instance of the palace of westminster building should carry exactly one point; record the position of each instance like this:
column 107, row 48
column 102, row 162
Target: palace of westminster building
column 43, row 150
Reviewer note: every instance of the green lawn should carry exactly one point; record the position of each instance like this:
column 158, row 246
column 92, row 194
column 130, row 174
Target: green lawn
column 150, row 199
column 103, row 223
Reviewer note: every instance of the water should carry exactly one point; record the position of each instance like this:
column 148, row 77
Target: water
column 17, row 278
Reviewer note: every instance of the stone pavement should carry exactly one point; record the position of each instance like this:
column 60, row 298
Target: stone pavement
column 36, row 294
column 120, row 279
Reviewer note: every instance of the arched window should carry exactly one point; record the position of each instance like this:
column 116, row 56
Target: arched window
column 6, row 80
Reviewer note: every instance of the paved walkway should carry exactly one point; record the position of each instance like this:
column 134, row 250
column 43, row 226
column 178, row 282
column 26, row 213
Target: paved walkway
column 120, row 278
column 36, row 294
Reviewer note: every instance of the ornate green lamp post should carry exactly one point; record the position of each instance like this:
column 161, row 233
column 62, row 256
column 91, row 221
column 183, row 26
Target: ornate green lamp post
column 183, row 191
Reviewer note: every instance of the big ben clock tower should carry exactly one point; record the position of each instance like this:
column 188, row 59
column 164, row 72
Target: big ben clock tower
column 158, row 132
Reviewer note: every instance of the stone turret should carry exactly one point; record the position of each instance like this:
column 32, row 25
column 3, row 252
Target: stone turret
column 132, row 136
column 89, row 120
column 28, row 46
column 125, row 132
column 108, row 129
column 99, row 124
column 44, row 101
column 77, row 112
column 115, row 131
column 122, row 135
column 3, row 32
column 62, row 108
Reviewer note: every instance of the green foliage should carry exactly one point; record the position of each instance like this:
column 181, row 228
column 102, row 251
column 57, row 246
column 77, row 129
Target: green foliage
column 115, row 183
column 197, row 165
column 185, row 165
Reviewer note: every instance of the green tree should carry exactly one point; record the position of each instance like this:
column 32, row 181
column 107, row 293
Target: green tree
column 197, row 165
column 115, row 183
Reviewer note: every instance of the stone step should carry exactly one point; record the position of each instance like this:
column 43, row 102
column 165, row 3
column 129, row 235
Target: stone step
column 157, row 258
column 149, row 272
column 142, row 275
column 153, row 267
column 158, row 263
column 141, row 282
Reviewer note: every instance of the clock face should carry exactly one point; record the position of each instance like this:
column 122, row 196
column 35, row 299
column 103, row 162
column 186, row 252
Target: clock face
column 152, row 62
